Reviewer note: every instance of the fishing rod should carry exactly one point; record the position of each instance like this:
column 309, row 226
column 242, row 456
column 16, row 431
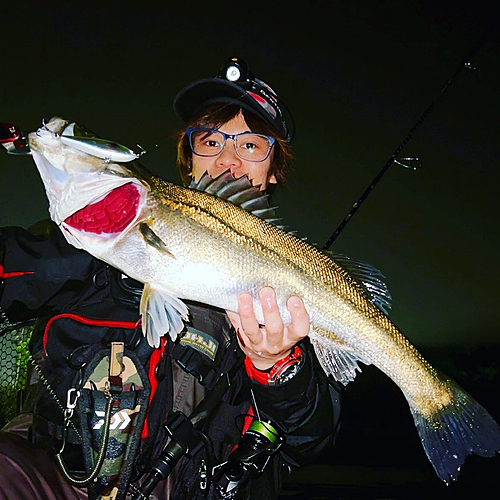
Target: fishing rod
column 413, row 163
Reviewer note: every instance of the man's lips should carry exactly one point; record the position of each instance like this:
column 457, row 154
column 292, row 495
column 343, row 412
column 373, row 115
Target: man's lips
column 112, row 214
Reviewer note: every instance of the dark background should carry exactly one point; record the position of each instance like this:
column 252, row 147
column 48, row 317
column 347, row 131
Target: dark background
column 358, row 76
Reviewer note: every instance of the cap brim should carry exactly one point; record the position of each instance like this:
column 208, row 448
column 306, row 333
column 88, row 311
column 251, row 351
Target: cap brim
column 197, row 96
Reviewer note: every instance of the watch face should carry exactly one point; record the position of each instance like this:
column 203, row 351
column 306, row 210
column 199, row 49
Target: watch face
column 286, row 372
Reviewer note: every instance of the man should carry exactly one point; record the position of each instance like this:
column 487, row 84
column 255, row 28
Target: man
column 86, row 309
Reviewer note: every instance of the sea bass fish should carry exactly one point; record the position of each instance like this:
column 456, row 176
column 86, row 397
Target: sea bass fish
column 187, row 244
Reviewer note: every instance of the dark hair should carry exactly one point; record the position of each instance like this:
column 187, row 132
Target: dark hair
column 214, row 117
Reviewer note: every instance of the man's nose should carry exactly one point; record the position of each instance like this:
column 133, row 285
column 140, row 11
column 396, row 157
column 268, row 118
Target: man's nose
column 227, row 157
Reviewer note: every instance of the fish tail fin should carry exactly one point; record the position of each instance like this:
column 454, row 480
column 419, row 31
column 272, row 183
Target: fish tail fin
column 459, row 429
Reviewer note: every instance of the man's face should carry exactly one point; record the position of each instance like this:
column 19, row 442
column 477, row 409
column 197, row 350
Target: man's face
column 227, row 159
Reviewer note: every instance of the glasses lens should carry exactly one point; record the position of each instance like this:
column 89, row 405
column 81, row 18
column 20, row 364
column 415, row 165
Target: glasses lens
column 252, row 147
column 249, row 146
column 206, row 142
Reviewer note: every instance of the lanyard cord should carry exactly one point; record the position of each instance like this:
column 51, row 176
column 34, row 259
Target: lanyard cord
column 102, row 449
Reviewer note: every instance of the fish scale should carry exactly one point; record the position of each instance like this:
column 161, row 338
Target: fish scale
column 277, row 246
column 187, row 244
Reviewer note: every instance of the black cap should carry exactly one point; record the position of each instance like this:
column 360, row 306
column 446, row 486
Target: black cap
column 234, row 85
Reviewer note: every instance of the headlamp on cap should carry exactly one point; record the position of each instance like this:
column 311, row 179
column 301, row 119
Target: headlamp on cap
column 235, row 84
column 235, row 70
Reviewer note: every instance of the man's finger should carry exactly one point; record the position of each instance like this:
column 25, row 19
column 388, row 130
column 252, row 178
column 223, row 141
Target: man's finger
column 249, row 323
column 272, row 319
column 299, row 327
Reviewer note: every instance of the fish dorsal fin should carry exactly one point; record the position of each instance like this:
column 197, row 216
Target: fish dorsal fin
column 238, row 191
column 335, row 358
column 368, row 277
column 162, row 312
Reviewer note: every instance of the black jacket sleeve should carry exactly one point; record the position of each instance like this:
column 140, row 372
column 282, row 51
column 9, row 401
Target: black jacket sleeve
column 306, row 409
column 40, row 273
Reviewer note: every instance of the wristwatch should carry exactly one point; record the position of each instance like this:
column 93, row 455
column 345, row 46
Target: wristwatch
column 281, row 372
column 286, row 368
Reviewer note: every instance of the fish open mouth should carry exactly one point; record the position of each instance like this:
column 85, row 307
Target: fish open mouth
column 111, row 214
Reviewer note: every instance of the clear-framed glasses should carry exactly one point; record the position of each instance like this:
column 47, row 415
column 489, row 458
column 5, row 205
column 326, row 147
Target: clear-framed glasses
column 248, row 145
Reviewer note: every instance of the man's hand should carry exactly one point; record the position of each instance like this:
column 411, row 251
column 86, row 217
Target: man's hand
column 266, row 344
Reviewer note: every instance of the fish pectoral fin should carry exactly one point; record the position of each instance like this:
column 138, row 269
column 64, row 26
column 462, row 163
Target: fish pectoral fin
column 334, row 356
column 162, row 312
column 153, row 239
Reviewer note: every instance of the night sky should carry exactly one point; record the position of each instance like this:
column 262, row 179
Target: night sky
column 357, row 79
column 357, row 75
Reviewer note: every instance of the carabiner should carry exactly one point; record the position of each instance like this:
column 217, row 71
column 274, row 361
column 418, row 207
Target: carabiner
column 71, row 400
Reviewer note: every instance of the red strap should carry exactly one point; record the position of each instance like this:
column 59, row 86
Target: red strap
column 255, row 374
column 248, row 420
column 87, row 321
column 3, row 274
column 246, row 424
column 154, row 360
